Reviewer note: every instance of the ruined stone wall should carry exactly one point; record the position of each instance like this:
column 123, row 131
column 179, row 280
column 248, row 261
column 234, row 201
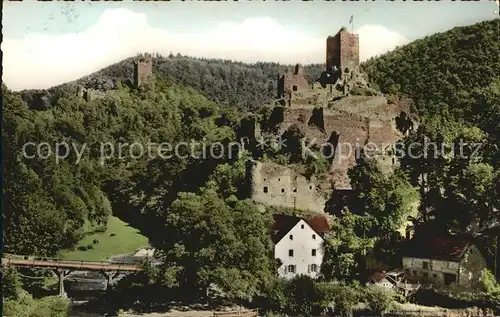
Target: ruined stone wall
column 342, row 51
column 142, row 71
column 276, row 185
column 383, row 133
column 292, row 81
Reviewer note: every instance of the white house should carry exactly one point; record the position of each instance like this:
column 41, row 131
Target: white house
column 298, row 243
column 443, row 261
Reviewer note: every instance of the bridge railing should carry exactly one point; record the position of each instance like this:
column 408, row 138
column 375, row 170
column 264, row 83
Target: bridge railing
column 75, row 264
column 44, row 258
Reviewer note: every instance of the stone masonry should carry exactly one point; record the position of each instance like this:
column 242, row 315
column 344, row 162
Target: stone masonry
column 143, row 69
column 342, row 51
column 291, row 82
column 276, row 185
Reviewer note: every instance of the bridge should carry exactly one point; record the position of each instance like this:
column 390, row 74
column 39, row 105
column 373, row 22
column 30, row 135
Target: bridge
column 61, row 268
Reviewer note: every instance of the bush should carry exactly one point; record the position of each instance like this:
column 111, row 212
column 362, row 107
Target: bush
column 50, row 306
column 11, row 283
column 379, row 300
column 26, row 306
column 359, row 91
column 304, row 296
column 489, row 282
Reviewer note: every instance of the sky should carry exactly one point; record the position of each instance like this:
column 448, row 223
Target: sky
column 49, row 43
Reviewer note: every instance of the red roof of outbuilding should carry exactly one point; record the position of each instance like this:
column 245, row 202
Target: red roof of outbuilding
column 449, row 249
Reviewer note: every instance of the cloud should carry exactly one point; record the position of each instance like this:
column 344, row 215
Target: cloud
column 376, row 39
column 41, row 61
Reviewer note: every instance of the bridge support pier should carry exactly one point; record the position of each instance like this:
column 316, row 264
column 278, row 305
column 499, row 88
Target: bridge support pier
column 61, row 274
column 110, row 278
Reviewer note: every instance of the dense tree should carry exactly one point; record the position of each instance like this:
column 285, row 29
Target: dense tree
column 455, row 71
column 211, row 241
column 389, row 199
column 345, row 247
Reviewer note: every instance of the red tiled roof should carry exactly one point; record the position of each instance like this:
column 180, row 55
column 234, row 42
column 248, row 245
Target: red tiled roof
column 449, row 249
column 284, row 223
column 319, row 224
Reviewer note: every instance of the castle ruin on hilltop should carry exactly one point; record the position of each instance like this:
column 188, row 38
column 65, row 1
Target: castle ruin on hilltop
column 341, row 73
column 338, row 108
column 143, row 70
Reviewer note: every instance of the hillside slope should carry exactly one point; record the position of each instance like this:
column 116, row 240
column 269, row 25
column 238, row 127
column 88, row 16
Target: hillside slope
column 59, row 200
column 452, row 73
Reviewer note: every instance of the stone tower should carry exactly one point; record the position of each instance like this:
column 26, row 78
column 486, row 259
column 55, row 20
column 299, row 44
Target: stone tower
column 143, row 69
column 342, row 51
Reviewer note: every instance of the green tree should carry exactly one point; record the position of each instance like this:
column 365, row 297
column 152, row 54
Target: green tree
column 388, row 199
column 345, row 247
column 212, row 242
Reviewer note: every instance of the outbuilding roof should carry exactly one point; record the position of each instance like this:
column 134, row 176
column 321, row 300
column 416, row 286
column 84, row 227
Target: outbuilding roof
column 447, row 249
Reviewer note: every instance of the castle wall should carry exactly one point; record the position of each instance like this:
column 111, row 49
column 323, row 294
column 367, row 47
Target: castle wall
column 276, row 185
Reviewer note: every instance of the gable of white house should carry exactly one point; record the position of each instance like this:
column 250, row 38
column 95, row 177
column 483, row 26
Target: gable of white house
column 300, row 251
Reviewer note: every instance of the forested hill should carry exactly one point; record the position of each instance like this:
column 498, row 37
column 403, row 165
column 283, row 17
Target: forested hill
column 452, row 73
column 223, row 81
column 52, row 203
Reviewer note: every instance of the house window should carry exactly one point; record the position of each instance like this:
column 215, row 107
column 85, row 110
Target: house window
column 294, row 87
column 425, row 265
column 291, row 237
column 290, row 269
column 295, row 190
column 313, row 268
column 314, row 237
column 435, row 276
column 310, row 187
column 449, row 278
column 279, row 179
column 265, row 189
column 290, row 252
column 282, row 190
column 425, row 275
column 313, row 252
column 415, row 272
column 301, row 226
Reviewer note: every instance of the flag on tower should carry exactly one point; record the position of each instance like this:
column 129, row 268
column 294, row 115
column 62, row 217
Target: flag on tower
column 350, row 20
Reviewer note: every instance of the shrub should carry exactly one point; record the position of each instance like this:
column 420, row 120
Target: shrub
column 26, row 306
column 11, row 283
column 360, row 91
column 379, row 300
column 489, row 282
